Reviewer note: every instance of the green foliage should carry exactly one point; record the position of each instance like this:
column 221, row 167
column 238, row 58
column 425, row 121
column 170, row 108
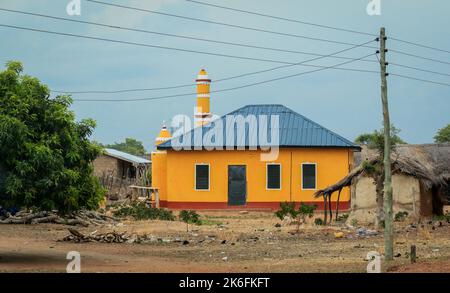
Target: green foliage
column 45, row 154
column 443, row 135
column 130, row 146
column 375, row 140
column 444, row 217
column 286, row 209
column 306, row 210
column 140, row 211
column 400, row 216
column 190, row 217
column 342, row 218
column 318, row 222
column 372, row 169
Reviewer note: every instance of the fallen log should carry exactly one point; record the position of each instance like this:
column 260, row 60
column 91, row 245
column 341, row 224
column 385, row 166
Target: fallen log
column 25, row 219
column 83, row 218
column 47, row 219
column 70, row 222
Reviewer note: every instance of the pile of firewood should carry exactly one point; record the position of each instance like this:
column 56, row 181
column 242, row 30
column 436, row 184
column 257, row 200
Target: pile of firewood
column 110, row 237
column 83, row 218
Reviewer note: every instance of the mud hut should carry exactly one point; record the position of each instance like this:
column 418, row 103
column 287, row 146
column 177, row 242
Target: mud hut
column 421, row 182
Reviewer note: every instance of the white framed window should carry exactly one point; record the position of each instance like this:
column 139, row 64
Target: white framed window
column 202, row 177
column 309, row 176
column 273, row 176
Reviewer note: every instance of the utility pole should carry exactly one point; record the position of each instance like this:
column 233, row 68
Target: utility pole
column 388, row 217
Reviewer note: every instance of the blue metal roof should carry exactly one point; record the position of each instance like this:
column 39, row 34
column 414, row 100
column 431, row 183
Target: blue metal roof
column 126, row 157
column 295, row 130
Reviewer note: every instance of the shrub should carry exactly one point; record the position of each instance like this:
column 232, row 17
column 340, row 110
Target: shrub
column 140, row 211
column 342, row 218
column 286, row 209
column 306, row 210
column 400, row 216
column 444, row 217
column 318, row 222
column 190, row 217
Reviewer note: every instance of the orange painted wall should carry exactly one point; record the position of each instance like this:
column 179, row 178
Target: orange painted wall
column 332, row 165
column 159, row 173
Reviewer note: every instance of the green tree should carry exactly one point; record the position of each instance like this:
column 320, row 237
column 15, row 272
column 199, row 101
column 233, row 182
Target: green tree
column 375, row 141
column 443, row 135
column 131, row 146
column 45, row 154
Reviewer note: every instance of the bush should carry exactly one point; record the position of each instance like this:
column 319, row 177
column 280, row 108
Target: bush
column 400, row 216
column 286, row 209
column 140, row 211
column 444, row 217
column 306, row 210
column 342, row 218
column 318, row 222
column 190, row 217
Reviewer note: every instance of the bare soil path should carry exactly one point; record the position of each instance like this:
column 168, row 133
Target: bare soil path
column 231, row 242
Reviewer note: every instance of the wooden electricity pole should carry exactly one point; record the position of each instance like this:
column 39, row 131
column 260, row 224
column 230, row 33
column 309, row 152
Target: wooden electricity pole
column 388, row 217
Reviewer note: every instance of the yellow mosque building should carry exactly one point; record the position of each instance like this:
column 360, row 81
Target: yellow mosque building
column 220, row 164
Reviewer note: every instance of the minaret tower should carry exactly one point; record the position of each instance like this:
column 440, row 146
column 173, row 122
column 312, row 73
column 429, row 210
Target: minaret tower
column 164, row 135
column 159, row 165
column 203, row 111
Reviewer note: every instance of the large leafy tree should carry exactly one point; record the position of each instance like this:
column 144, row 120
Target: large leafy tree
column 443, row 135
column 131, row 146
column 45, row 155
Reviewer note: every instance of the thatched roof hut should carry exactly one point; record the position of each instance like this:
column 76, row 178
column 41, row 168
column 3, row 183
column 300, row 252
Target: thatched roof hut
column 428, row 164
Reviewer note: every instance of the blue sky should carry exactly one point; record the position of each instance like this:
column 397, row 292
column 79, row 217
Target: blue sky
column 343, row 101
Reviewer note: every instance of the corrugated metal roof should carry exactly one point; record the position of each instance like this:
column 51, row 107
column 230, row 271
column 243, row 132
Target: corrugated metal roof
column 295, row 130
column 126, row 157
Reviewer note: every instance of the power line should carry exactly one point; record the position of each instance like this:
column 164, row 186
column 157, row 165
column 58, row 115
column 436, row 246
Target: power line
column 255, row 29
column 287, row 64
column 224, row 24
column 229, row 78
column 418, row 69
column 312, row 24
column 419, row 57
column 258, row 83
column 227, row 89
column 165, row 47
column 412, row 77
column 282, row 18
column 173, row 35
column 419, row 45
column 240, row 75
column 420, row 79
column 143, row 45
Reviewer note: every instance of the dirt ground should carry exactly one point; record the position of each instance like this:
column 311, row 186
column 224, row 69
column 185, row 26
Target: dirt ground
column 230, row 241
